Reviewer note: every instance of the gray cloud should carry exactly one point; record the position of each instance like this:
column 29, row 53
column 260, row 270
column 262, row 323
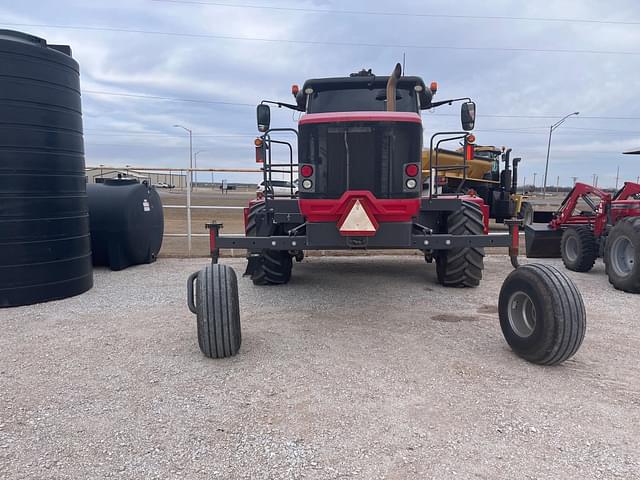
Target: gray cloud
column 121, row 130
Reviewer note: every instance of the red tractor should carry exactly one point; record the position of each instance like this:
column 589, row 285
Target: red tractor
column 592, row 223
column 359, row 174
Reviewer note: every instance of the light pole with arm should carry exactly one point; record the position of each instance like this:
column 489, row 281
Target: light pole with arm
column 546, row 167
column 189, row 187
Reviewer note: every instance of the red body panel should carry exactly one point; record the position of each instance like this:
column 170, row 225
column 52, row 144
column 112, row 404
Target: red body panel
column 360, row 117
column 383, row 210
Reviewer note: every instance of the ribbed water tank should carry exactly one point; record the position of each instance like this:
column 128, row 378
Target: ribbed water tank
column 45, row 247
column 127, row 223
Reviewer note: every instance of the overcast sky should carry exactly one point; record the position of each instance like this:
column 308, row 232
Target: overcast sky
column 197, row 66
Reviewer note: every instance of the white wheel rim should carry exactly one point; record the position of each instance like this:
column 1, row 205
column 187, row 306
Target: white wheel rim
column 522, row 314
column 571, row 248
column 623, row 255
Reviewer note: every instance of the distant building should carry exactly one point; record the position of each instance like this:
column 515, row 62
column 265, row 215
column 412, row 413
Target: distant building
column 175, row 178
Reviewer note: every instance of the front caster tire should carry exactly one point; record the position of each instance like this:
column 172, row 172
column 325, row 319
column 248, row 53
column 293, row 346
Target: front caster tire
column 542, row 314
column 462, row 267
column 622, row 255
column 212, row 294
column 579, row 249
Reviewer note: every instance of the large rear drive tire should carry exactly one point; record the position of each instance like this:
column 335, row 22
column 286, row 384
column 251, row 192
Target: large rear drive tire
column 462, row 267
column 213, row 297
column 622, row 255
column 542, row 314
column 272, row 267
column 579, row 249
column 526, row 213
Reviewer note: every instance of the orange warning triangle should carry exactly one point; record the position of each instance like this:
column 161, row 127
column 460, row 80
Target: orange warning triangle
column 357, row 220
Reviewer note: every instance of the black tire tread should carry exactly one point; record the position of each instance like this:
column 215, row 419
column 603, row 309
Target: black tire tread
column 587, row 249
column 630, row 284
column 275, row 265
column 462, row 267
column 566, row 327
column 218, row 312
column 275, row 268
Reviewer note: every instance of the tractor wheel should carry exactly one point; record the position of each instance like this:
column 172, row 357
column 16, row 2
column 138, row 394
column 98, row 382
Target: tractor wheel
column 272, row 267
column 212, row 294
column 462, row 267
column 579, row 249
column 526, row 213
column 250, row 227
column 542, row 314
column 622, row 255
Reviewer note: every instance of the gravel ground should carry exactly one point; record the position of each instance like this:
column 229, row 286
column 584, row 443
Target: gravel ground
column 359, row 368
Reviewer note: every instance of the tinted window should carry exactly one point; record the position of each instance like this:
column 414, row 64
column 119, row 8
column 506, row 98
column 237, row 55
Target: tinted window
column 360, row 100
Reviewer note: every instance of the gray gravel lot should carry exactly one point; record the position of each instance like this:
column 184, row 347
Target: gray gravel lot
column 359, row 368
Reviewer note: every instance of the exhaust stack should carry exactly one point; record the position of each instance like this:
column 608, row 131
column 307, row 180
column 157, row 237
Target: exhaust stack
column 391, row 88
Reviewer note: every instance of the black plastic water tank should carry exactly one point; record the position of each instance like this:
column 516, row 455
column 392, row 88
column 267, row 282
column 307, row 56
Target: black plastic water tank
column 45, row 248
column 127, row 223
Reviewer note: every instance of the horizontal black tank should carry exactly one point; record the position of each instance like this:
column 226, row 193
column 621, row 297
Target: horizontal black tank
column 45, row 248
column 127, row 223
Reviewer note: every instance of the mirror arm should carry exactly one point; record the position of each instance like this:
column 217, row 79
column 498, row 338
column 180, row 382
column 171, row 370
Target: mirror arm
column 447, row 102
column 285, row 105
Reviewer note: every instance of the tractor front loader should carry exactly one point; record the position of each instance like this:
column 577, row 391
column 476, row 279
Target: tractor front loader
column 359, row 168
column 591, row 223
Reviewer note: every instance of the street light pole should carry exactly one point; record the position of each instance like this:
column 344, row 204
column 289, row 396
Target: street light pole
column 189, row 186
column 546, row 168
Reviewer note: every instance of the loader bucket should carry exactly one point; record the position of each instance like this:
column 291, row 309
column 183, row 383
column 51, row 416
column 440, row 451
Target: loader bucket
column 541, row 241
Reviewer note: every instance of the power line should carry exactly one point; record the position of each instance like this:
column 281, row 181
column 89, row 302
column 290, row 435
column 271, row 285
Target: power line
column 435, row 114
column 325, row 43
column 405, row 14
column 172, row 99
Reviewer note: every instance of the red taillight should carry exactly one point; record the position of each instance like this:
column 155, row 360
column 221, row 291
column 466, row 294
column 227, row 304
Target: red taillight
column 411, row 170
column 469, row 151
column 306, row 170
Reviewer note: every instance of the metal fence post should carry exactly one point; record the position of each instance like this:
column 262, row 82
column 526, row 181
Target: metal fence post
column 188, row 212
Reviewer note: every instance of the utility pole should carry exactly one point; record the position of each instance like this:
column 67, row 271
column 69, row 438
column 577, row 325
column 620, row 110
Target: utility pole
column 593, row 182
column 189, row 180
column 534, row 181
column 524, row 182
column 575, row 179
column 558, row 184
column 617, row 176
column 546, row 167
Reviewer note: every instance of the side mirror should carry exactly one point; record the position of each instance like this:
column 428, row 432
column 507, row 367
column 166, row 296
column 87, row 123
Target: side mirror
column 468, row 116
column 263, row 114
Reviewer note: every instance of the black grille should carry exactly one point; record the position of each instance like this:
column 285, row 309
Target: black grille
column 360, row 156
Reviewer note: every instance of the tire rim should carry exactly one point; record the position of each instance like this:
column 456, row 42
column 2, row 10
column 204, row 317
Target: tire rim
column 522, row 314
column 623, row 255
column 528, row 217
column 571, row 248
